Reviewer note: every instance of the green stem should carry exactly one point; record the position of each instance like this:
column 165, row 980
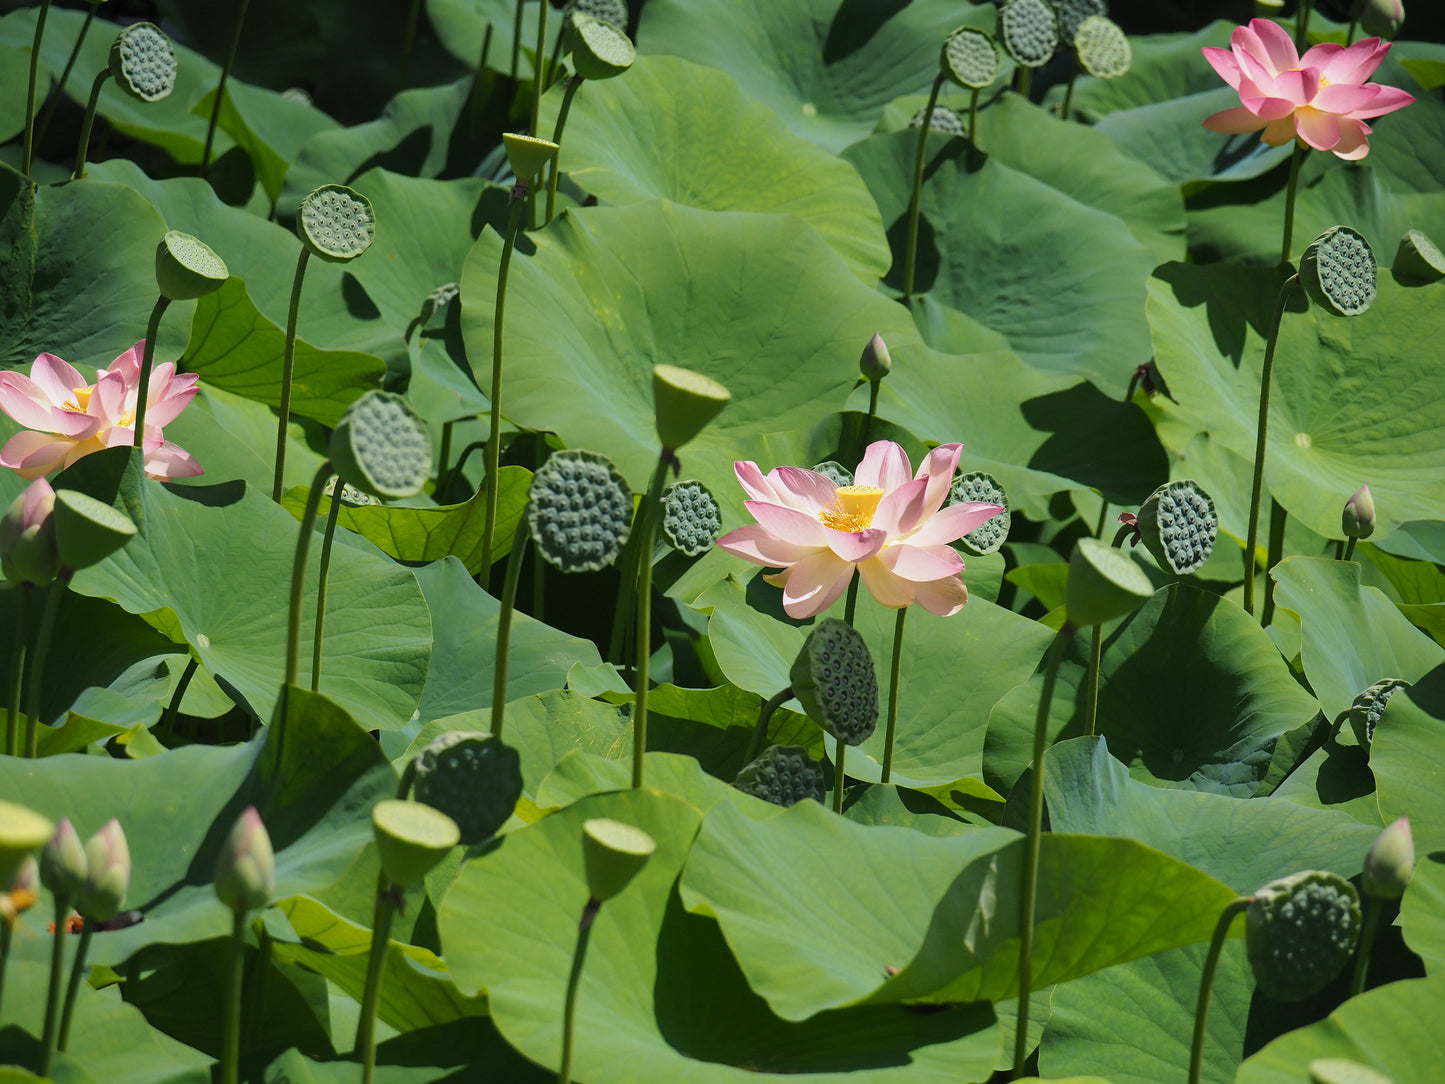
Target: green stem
column 77, row 972
column 1277, row 518
column 1300, row 150
column 444, row 457
column 409, row 38
column 552, row 167
column 332, row 514
column 147, row 361
column 6, row 933
column 30, row 94
column 56, row 592
column 1350, row 549
column 893, row 693
column 1302, row 25
column 539, row 66
column 456, row 476
column 627, row 565
column 556, row 60
column 915, row 199
column 755, row 746
column 52, row 996
column 173, row 709
column 1091, row 698
column 648, row 514
column 494, row 437
column 840, row 776
column 1024, row 82
column 298, row 574
column 231, row 1018
column 375, row 964
column 1339, row 549
column 517, row 40
column 1261, row 436
column 49, row 111
column 1069, row 94
column 504, row 624
column 85, row 125
column 1367, row 942
column 873, row 386
column 17, row 673
column 1103, row 519
column 850, row 604
column 1206, row 981
column 288, row 366
column 1031, row 852
column 973, row 118
column 1350, row 36
column 569, row 1006
column 221, row 87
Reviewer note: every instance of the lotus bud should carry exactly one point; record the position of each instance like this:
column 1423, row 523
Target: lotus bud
column 63, row 865
column 27, row 536
column 24, row 891
column 1382, row 18
column 875, row 363
column 1358, row 518
column 1390, row 861
column 614, row 853
column 246, row 866
column 685, row 402
column 835, row 680
column 411, row 838
column 22, row 831
column 108, row 876
column 1299, row 933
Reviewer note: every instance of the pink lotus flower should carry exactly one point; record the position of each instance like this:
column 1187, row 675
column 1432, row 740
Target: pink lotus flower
column 68, row 418
column 1322, row 98
column 891, row 525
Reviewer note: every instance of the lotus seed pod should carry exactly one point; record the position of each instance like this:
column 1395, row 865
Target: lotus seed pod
column 690, row 519
column 876, row 362
column 1104, row 583
column 438, row 300
column 527, row 154
column 187, row 268
column 1344, row 1071
column 834, row 679
column 1365, row 712
column 299, row 95
column 1300, row 931
column 614, row 853
column 246, row 866
column 24, row 890
column 970, row 58
column 990, row 535
column 783, row 775
column 1179, row 526
column 411, row 838
column 143, row 62
column 1382, row 18
column 1102, row 47
column 944, row 120
column 22, row 831
column 1073, row 13
column 107, row 878
column 27, row 536
column 1358, row 518
column 684, row 402
column 1418, row 260
column 63, row 865
column 87, row 531
column 600, row 50
column 475, row 779
column 579, row 510
column 382, row 447
column 1390, row 861
column 1029, row 30
column 835, row 472
column 351, row 497
column 1338, row 272
column 609, row 11
column 336, row 223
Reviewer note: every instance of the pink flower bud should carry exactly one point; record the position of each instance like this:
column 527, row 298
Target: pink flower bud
column 63, row 864
column 1358, row 518
column 246, row 866
column 27, row 536
column 108, row 878
column 1390, row 862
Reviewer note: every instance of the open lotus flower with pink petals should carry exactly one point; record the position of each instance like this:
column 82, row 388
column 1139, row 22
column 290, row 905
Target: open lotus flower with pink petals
column 891, row 525
column 1321, row 97
column 67, row 418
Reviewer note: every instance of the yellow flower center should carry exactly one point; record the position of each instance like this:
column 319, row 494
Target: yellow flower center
column 1324, row 82
column 81, row 403
column 853, row 508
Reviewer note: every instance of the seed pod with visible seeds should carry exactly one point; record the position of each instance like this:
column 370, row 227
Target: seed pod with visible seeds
column 691, row 518
column 187, row 268
column 475, row 779
column 990, row 535
column 835, row 472
column 1029, row 30
column 1073, row 13
column 970, row 58
column 143, row 62
column 783, row 775
column 579, row 510
column 1179, row 526
column 834, row 679
column 1300, row 932
column 1338, row 272
column 336, row 223
column 1102, row 47
column 382, row 447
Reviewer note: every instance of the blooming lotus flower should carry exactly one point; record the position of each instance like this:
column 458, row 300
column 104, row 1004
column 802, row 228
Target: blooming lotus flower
column 1321, row 97
column 68, row 418
column 890, row 525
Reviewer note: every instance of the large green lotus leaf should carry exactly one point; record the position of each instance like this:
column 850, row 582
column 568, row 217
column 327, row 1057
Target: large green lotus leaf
column 911, row 901
column 679, row 131
column 1408, row 760
column 1244, row 844
column 579, row 775
column 1062, row 281
column 1352, row 636
column 826, row 67
column 462, row 27
column 1393, row 1029
column 315, row 797
column 1337, row 414
column 753, row 650
column 1422, row 913
column 14, row 78
column 219, row 560
column 234, row 439
column 641, row 1012
column 271, row 128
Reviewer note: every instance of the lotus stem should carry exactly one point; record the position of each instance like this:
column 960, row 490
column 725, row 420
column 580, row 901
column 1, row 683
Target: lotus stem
column 556, row 60
column 648, row 515
column 49, row 111
column 231, row 1018
column 1091, row 697
column 1069, row 94
column 445, row 455
column 539, row 66
column 371, row 994
column 494, row 437
column 850, row 604
column 1350, row 549
column 6, row 933
column 456, row 475
column 173, row 709
column 1302, row 24
column 147, row 361
column 569, row 1006
column 90, row 106
column 30, row 94
column 298, row 574
column 77, row 970
column 1261, row 436
column 1350, row 36
column 288, row 366
column 873, row 386
column 973, row 119
column 1024, row 82
column 56, row 592
column 52, row 995
column 221, row 86
column 332, row 514
column 1367, row 942
column 627, row 566
column 17, row 673
column 1277, row 518
column 765, row 716
column 839, row 775
column 893, row 692
column 1206, row 981
column 1300, row 150
column 916, row 196
column 481, row 72
column 504, row 624
column 517, row 40
column 1031, row 844
column 553, row 169
column 409, row 39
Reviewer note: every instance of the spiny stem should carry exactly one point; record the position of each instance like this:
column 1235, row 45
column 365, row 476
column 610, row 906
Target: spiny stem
column 147, row 361
column 1069, row 94
column 56, row 592
column 1260, row 439
column 893, row 693
column 85, row 126
column 30, row 94
column 648, row 515
column 873, row 386
column 494, row 438
column 851, row 603
column 298, row 574
column 764, row 717
column 569, row 1005
column 288, row 367
column 221, row 87
column 504, row 624
column 1206, row 981
column 553, row 168
column 332, row 515
column 916, row 198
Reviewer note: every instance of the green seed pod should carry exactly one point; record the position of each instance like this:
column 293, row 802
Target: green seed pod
column 411, row 838
column 834, row 679
column 527, row 154
column 1365, row 712
column 22, row 831
column 1358, row 518
column 990, row 535
column 382, row 447
column 1338, row 272
column 970, row 58
column 1178, row 525
column 63, row 864
column 187, row 268
column 1300, row 931
column 783, row 775
column 437, row 301
column 691, row 518
column 609, row 11
column 336, row 223
column 684, row 402
column 246, row 866
column 107, row 877
column 87, row 531
column 1418, row 260
column 579, row 510
column 298, row 95
column 835, row 472
column 944, row 120
column 351, row 497
column 1102, row 47
column 614, row 854
column 1029, row 30
column 1344, row 1071
column 876, row 362
column 600, row 50
column 1072, row 14
column 475, row 779
column 1390, row 861
column 143, row 62
column 1382, row 18
column 1104, row 583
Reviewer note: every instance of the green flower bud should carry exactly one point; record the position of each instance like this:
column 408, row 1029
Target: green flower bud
column 107, row 875
column 411, row 838
column 875, row 363
column 1358, row 518
column 22, row 831
column 684, row 402
column 1390, row 861
column 246, row 866
column 614, row 853
column 63, row 865
column 1382, row 18
column 1104, row 583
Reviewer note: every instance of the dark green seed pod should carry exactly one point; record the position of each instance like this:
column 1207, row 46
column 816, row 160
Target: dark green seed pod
column 143, row 62
column 970, row 58
column 1300, row 932
column 336, row 223
column 1029, row 30
column 1072, row 14
column 989, row 536
column 187, row 268
column 1102, row 47
column 1338, row 272
column 691, row 518
column 834, row 679
column 1365, row 712
column 1343, row 1071
column 474, row 779
column 1178, row 525
column 600, row 50
column 579, row 510
column 1418, row 260
column 609, row 11
column 835, row 472
column 783, row 775
column 382, row 447
column 944, row 120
